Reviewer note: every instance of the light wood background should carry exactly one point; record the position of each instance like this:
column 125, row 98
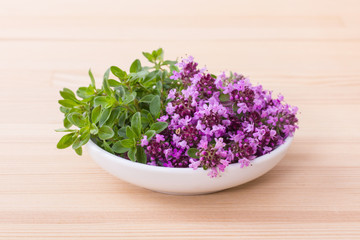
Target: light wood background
column 308, row 50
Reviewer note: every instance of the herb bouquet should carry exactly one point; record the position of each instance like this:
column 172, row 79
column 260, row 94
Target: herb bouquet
column 175, row 114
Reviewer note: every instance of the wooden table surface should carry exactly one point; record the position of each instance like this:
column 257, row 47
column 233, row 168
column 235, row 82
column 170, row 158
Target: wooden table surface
column 308, row 50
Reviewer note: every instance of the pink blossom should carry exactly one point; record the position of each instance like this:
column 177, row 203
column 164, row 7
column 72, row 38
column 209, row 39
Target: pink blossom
column 170, row 108
column 163, row 118
column 144, row 141
column 219, row 143
column 159, row 138
column 183, row 144
column 176, row 75
column 194, row 164
column 171, row 94
column 203, row 143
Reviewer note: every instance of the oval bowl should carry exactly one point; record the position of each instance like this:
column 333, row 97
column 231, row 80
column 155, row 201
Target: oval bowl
column 184, row 181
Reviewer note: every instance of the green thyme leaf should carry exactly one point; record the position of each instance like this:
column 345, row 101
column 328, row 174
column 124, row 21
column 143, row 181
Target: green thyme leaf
column 66, row 141
column 159, row 126
column 130, row 133
column 77, row 119
column 104, row 101
column 128, row 143
column 192, row 153
column 68, row 94
column 118, row 72
column 160, row 54
column 150, row 134
column 131, row 154
column 105, row 132
column 136, row 123
column 64, row 130
column 95, row 114
column 105, row 114
column 106, row 86
column 79, row 151
column 114, row 116
column 129, row 97
column 155, row 106
column 92, row 79
column 119, row 148
column 85, row 92
column 135, row 66
column 122, row 132
column 147, row 98
column 82, row 140
column 68, row 103
column 64, row 109
column 114, row 83
column 67, row 123
column 148, row 56
column 94, row 129
column 122, row 118
column 140, row 155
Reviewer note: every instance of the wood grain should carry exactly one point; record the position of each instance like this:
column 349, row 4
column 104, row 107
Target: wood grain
column 307, row 50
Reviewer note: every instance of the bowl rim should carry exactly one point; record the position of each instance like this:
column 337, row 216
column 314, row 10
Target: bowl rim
column 130, row 163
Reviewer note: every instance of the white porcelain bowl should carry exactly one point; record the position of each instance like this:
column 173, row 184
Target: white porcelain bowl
column 184, row 181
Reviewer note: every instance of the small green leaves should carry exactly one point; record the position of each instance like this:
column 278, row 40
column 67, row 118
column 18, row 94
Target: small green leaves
column 106, row 86
column 118, row 72
column 105, row 114
column 192, row 153
column 159, row 55
column 95, row 114
column 114, row 116
column 119, row 148
column 159, row 126
column 85, row 92
column 64, row 130
column 136, row 123
column 122, row 118
column 131, row 154
column 67, row 123
column 68, row 103
column 82, row 140
column 130, row 133
column 104, row 101
column 94, row 129
column 105, row 132
column 68, row 94
column 119, row 113
column 147, row 98
column 78, row 151
column 127, row 143
column 140, row 155
column 129, row 97
column 149, row 56
column 150, row 134
column 122, row 132
column 77, row 119
column 135, row 66
column 66, row 141
column 155, row 106
column 114, row 83
column 92, row 79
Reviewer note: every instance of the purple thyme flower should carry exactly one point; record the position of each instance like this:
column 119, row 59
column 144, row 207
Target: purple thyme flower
column 144, row 141
column 226, row 118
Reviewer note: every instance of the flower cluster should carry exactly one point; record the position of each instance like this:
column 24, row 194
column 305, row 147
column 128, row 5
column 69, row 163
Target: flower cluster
column 225, row 119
